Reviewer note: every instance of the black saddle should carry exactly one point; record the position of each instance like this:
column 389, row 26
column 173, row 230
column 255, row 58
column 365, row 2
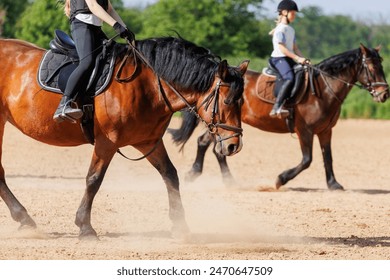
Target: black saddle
column 61, row 59
column 63, row 44
column 299, row 78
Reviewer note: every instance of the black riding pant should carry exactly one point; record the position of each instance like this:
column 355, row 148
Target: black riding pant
column 88, row 40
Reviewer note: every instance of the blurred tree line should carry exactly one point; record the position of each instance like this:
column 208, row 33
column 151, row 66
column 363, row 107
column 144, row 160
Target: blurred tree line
column 230, row 28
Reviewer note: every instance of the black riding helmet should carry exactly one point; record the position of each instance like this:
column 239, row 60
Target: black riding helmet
column 288, row 5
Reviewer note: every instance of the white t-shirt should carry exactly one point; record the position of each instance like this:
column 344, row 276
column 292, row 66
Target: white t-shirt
column 283, row 34
column 90, row 19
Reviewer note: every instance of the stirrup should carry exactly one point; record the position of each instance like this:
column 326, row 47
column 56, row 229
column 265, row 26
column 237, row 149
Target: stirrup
column 65, row 116
column 58, row 118
column 282, row 113
column 68, row 118
column 273, row 113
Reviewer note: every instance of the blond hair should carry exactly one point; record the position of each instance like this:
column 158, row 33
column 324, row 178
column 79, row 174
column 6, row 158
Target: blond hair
column 67, row 8
column 277, row 21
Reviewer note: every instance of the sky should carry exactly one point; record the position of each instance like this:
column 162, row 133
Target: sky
column 375, row 11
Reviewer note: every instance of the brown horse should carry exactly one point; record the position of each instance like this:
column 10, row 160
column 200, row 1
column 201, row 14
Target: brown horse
column 314, row 115
column 134, row 113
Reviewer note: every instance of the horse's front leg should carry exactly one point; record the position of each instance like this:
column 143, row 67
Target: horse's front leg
column 204, row 142
column 306, row 143
column 160, row 160
column 325, row 142
column 100, row 160
column 226, row 174
column 18, row 212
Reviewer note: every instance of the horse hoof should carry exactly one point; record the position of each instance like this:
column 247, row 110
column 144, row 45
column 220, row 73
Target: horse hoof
column 229, row 181
column 88, row 235
column 26, row 227
column 27, row 223
column 191, row 176
column 337, row 187
column 181, row 233
column 278, row 183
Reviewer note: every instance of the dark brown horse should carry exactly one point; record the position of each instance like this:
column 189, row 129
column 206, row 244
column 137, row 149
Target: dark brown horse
column 314, row 115
column 134, row 113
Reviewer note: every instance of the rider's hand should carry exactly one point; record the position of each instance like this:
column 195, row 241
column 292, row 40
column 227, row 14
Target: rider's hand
column 302, row 60
column 124, row 32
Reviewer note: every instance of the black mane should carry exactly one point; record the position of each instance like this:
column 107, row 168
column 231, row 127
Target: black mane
column 337, row 63
column 180, row 62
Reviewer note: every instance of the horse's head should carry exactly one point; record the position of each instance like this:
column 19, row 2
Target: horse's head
column 221, row 108
column 372, row 76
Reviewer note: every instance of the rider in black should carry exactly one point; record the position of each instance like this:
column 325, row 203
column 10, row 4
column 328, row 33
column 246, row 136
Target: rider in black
column 86, row 18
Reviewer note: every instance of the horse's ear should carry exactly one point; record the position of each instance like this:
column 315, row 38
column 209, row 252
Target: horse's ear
column 378, row 48
column 363, row 49
column 243, row 67
column 223, row 70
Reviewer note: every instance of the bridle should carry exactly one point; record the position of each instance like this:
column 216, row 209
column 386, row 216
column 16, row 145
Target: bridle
column 215, row 123
column 369, row 85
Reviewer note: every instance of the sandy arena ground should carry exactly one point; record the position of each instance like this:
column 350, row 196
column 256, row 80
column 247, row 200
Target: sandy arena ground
column 303, row 220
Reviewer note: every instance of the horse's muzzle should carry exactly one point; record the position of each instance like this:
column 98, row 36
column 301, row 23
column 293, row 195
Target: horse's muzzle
column 381, row 96
column 229, row 146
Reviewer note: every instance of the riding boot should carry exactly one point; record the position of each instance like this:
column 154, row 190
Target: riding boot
column 65, row 111
column 284, row 91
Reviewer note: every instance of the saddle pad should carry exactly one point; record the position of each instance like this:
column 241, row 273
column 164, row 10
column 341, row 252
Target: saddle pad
column 55, row 69
column 265, row 89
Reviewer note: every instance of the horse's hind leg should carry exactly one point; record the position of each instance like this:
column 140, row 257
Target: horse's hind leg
column 204, row 142
column 306, row 142
column 160, row 160
column 100, row 160
column 325, row 142
column 18, row 212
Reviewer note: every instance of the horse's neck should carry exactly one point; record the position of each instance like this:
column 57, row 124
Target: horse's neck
column 340, row 85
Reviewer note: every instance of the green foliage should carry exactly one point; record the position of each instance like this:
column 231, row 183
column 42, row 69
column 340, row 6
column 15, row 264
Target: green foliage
column 359, row 104
column 13, row 9
column 321, row 36
column 226, row 27
column 38, row 22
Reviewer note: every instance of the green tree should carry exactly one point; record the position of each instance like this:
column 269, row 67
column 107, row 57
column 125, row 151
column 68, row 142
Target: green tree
column 227, row 27
column 321, row 36
column 12, row 9
column 38, row 22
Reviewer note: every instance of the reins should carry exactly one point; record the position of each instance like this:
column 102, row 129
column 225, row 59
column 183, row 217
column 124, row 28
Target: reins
column 212, row 126
column 368, row 87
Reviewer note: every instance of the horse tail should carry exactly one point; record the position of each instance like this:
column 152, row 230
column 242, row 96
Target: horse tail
column 184, row 132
